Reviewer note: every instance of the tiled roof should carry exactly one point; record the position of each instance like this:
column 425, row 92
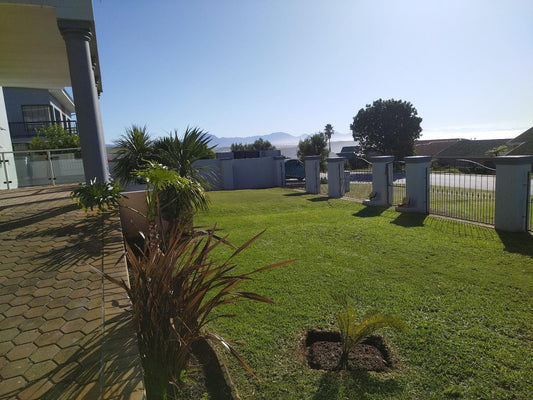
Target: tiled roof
column 433, row 147
column 471, row 148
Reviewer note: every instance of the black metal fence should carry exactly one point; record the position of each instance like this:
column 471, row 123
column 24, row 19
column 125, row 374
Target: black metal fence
column 398, row 183
column 28, row 130
column 360, row 177
column 463, row 189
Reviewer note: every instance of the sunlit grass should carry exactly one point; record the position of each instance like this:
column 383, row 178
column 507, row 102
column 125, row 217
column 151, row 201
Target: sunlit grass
column 464, row 291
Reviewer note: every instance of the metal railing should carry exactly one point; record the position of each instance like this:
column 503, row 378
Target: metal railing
column 41, row 167
column 399, row 190
column 463, row 190
column 360, row 177
column 19, row 130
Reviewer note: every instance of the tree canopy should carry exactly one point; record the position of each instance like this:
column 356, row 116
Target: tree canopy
column 314, row 145
column 387, row 127
column 54, row 137
column 258, row 145
column 328, row 131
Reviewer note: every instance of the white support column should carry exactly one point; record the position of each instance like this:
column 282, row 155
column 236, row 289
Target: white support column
column 77, row 35
column 513, row 177
column 279, row 171
column 312, row 174
column 417, row 184
column 335, row 177
column 381, row 182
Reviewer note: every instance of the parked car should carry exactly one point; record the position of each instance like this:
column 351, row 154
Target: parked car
column 294, row 169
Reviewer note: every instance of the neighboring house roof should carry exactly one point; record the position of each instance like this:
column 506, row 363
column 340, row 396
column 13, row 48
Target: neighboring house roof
column 522, row 144
column 471, row 148
column 433, row 147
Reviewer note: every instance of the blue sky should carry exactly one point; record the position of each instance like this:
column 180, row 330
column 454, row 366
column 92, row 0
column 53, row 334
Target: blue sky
column 253, row 67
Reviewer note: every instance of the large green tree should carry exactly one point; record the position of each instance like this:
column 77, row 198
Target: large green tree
column 314, row 145
column 258, row 145
column 387, row 127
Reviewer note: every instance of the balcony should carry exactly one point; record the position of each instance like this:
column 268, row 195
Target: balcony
column 25, row 131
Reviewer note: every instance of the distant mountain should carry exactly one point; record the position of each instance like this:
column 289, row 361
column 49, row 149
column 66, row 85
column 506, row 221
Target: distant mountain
column 276, row 138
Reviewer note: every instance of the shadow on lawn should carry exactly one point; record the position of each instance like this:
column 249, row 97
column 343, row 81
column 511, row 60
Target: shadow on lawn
column 521, row 243
column 409, row 220
column 360, row 385
column 370, row 211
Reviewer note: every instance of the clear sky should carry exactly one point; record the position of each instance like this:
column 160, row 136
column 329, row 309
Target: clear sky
column 253, row 67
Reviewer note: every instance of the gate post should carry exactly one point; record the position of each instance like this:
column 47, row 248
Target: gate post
column 513, row 174
column 416, row 184
column 312, row 174
column 336, row 186
column 279, row 171
column 381, row 182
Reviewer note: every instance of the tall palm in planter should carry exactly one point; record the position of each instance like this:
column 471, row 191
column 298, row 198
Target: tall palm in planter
column 180, row 154
column 134, row 150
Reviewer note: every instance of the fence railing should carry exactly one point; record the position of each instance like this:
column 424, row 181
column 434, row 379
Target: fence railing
column 20, row 130
column 360, row 177
column 41, row 167
column 463, row 190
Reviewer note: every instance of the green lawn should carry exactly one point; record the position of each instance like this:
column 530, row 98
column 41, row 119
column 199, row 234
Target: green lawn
column 464, row 291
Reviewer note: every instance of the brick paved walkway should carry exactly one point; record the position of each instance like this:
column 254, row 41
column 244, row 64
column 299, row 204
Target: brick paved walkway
column 64, row 332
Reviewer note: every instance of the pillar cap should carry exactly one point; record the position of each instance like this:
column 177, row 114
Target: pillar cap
column 382, row 159
column 417, row 159
column 513, row 160
column 335, row 159
column 311, row 158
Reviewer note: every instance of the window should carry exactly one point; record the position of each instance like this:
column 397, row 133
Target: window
column 35, row 116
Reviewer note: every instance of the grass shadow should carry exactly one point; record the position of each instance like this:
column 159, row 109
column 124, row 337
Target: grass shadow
column 370, row 211
column 409, row 220
column 521, row 243
column 296, row 194
column 359, row 385
column 318, row 199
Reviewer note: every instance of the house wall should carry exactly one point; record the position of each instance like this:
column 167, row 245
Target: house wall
column 15, row 98
column 5, row 146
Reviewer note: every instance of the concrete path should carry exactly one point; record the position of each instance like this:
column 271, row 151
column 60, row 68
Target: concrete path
column 64, row 332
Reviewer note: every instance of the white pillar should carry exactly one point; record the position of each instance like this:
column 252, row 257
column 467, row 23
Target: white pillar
column 381, row 182
column 335, row 177
column 312, row 174
column 8, row 172
column 417, row 184
column 279, row 171
column 77, row 35
column 513, row 177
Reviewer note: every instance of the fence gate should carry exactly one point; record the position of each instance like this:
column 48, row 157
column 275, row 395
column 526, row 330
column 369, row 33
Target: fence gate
column 360, row 176
column 463, row 189
column 396, row 183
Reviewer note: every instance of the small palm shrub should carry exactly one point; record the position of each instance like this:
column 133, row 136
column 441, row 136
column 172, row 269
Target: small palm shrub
column 352, row 333
column 175, row 289
column 102, row 195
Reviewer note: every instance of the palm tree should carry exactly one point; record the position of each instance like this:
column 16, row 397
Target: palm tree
column 134, row 149
column 179, row 155
column 328, row 131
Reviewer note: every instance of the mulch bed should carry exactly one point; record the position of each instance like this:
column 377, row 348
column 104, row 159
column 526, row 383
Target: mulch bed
column 323, row 350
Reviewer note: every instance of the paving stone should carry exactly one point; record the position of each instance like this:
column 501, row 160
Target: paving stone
column 52, row 325
column 75, row 313
column 11, row 322
column 56, row 293
column 22, row 351
column 54, row 313
column 66, row 354
column 26, row 337
column 37, row 390
column 11, row 385
column 48, row 338
column 59, row 302
column 15, row 368
column 72, row 326
column 5, row 347
column 8, row 334
column 39, row 370
column 36, row 311
column 30, row 324
column 18, row 300
column 44, row 353
column 39, row 301
column 70, row 339
column 63, row 283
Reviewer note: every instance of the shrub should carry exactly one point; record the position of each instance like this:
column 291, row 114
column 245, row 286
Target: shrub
column 352, row 334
